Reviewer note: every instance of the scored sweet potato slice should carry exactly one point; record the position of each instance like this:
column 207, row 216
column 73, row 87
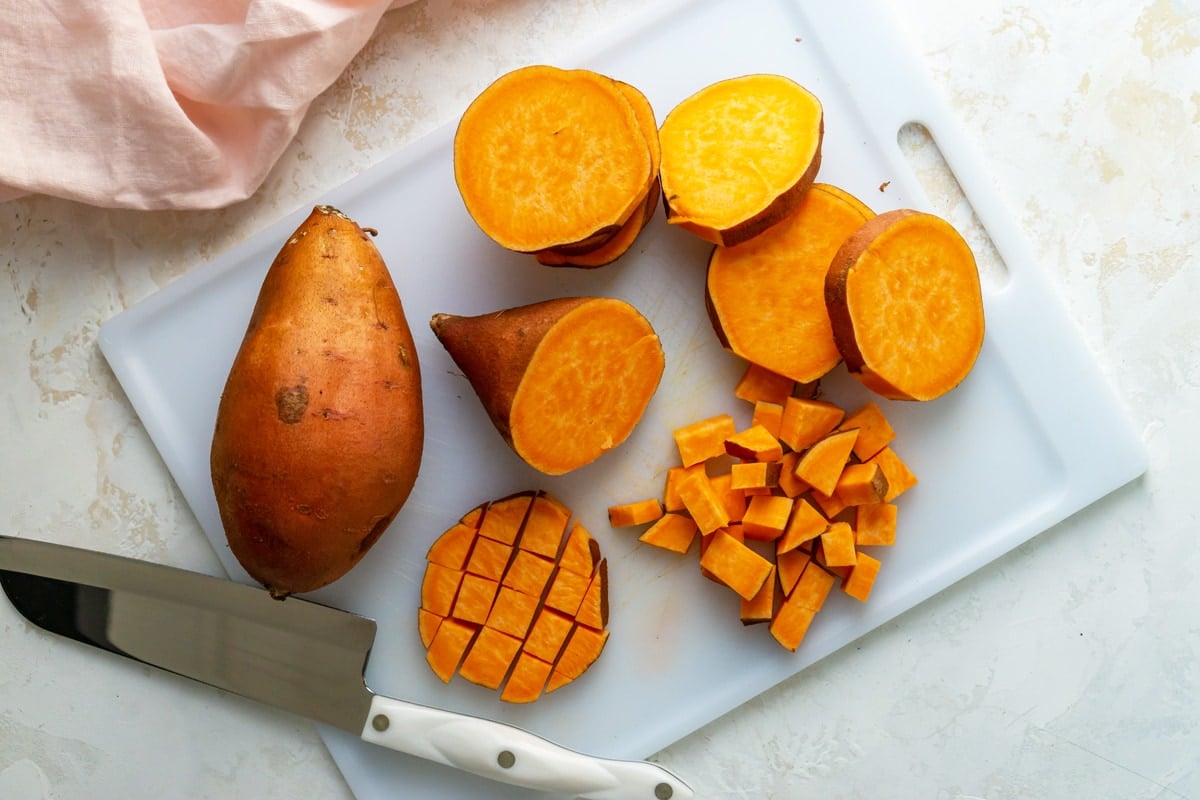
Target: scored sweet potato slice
column 530, row 576
column 738, row 155
column 546, row 157
column 564, row 380
column 906, row 306
column 766, row 296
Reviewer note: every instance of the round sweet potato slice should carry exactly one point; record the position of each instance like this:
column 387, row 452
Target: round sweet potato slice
column 906, row 306
column 766, row 297
column 738, row 155
column 523, row 609
column 546, row 157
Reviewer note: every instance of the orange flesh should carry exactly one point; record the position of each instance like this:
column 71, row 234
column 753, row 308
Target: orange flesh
column 533, row 150
column 911, row 324
column 586, row 386
column 512, row 609
column 768, row 294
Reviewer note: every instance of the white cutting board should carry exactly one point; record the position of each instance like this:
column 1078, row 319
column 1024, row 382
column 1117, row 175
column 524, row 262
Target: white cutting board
column 1032, row 436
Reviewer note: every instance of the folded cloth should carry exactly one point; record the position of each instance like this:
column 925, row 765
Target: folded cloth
column 163, row 103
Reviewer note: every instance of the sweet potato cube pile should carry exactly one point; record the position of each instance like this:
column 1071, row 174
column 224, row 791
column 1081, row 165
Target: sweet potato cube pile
column 785, row 509
column 515, row 597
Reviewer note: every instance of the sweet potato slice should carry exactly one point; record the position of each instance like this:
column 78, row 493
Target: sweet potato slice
column 529, row 675
column 703, row 439
column 899, row 477
column 821, row 465
column 509, row 598
column 674, row 532
column 580, row 652
column 564, row 380
column 446, row 651
column 488, row 659
column 874, row 431
column 906, row 306
column 754, row 444
column 766, row 296
column 805, row 421
column 766, row 517
column 758, row 383
column 761, row 607
column 734, row 564
column 639, row 512
column 738, row 155
column 546, row 157
column 875, row 524
column 861, row 580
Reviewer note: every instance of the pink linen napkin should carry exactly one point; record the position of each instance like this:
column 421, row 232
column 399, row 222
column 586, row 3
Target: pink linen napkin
column 163, row 103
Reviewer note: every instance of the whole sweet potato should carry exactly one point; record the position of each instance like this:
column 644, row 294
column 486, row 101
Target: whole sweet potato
column 320, row 428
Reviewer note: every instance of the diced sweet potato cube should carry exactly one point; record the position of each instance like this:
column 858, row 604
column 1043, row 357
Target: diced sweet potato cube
column 789, row 484
column 671, row 499
column 768, row 416
column 734, row 500
column 547, row 635
column 453, row 548
column 581, row 651
column 837, row 545
column 766, row 517
column 489, row 558
column 755, row 475
column 704, row 439
column 829, row 504
column 875, row 524
column 860, row 484
column 791, row 623
column 524, row 684
column 703, row 502
column 789, row 567
column 475, row 597
column 528, row 573
column 761, row 607
column 754, row 444
column 593, row 611
column 439, row 588
column 427, row 624
column 813, row 587
column 635, row 513
column 805, row 422
column 513, row 611
column 581, row 552
column 545, row 525
column 489, row 657
column 874, row 431
column 900, row 479
column 566, row 591
column 758, row 383
column 734, row 564
column 821, row 465
column 503, row 519
column 861, row 579
column 805, row 524
column 448, row 646
column 673, row 532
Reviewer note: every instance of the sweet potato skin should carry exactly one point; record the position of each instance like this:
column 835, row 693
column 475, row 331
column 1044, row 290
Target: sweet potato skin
column 320, row 428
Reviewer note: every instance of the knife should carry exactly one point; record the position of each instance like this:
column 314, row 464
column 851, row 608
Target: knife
column 297, row 655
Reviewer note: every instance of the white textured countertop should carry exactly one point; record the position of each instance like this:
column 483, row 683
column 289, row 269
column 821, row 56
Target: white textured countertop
column 1068, row 668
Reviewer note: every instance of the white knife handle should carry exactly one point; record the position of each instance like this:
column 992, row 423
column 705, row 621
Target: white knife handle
column 511, row 755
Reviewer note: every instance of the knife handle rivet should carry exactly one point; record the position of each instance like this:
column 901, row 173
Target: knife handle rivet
column 380, row 722
column 663, row 791
column 506, row 759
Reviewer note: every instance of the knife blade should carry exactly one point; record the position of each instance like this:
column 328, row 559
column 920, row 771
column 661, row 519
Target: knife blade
column 298, row 655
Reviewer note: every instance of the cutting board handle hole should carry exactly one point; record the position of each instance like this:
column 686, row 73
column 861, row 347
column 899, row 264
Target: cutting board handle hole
column 927, row 163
